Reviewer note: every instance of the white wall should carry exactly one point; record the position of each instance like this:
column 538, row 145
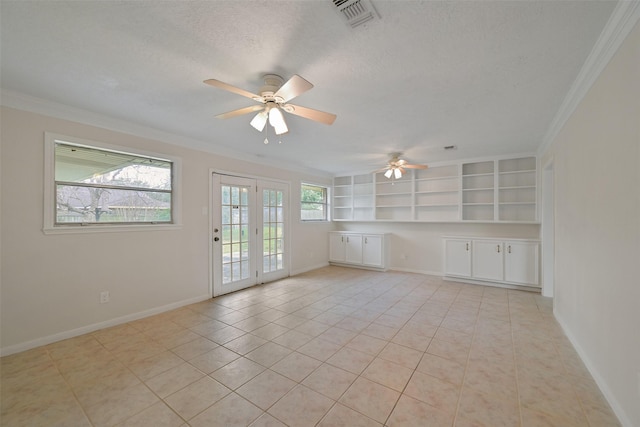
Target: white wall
column 418, row 247
column 596, row 159
column 50, row 283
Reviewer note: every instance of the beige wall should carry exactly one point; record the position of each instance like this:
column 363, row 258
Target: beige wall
column 596, row 161
column 51, row 283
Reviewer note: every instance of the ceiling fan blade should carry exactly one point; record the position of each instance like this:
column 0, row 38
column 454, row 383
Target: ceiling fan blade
column 237, row 90
column 414, row 166
column 295, row 86
column 239, row 112
column 311, row 114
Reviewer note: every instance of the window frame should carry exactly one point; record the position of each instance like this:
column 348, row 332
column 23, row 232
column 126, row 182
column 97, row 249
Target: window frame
column 50, row 226
column 326, row 204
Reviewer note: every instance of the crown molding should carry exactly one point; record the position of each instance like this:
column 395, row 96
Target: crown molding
column 622, row 20
column 20, row 101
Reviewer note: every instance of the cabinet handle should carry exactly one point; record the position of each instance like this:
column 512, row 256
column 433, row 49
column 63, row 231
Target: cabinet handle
column 342, row 239
column 347, row 239
column 365, row 240
column 498, row 246
column 509, row 248
column 467, row 246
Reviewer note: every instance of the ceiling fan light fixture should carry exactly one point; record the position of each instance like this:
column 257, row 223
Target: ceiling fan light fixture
column 397, row 173
column 276, row 119
column 259, row 121
column 388, row 173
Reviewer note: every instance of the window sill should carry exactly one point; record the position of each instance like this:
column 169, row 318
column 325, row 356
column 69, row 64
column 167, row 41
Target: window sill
column 109, row 228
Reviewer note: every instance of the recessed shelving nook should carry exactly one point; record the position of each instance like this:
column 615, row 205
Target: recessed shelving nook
column 353, row 198
column 394, row 198
column 499, row 190
column 437, row 193
column 517, row 189
column 478, row 188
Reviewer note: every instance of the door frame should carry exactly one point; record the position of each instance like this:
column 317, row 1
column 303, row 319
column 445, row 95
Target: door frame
column 212, row 204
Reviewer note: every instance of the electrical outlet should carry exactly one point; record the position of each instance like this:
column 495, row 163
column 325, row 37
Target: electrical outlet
column 104, row 297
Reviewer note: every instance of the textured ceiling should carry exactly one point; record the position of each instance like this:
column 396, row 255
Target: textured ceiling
column 486, row 76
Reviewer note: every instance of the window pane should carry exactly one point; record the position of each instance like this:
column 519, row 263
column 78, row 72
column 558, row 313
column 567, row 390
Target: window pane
column 94, row 166
column 245, row 270
column 226, row 273
column 312, row 211
column 81, row 204
column 226, row 195
column 244, row 200
column 226, row 214
column 313, row 203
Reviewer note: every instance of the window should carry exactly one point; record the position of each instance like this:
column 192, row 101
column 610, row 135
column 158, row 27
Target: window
column 314, row 203
column 93, row 185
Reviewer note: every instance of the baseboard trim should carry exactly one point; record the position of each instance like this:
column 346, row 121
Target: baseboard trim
column 602, row 384
column 307, row 269
column 28, row 345
column 535, row 289
column 416, row 271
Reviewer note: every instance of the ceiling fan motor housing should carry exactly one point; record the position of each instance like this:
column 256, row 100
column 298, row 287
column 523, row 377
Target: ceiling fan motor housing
column 272, row 82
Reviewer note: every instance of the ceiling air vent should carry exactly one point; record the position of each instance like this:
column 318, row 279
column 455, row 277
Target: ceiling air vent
column 356, row 12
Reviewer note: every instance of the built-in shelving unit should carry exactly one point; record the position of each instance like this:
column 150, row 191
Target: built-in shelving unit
column 437, row 193
column 343, row 198
column 517, row 189
column 478, row 188
column 394, row 198
column 502, row 190
column 363, row 201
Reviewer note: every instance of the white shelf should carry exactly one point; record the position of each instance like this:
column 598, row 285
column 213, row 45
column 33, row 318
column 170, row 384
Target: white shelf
column 487, row 191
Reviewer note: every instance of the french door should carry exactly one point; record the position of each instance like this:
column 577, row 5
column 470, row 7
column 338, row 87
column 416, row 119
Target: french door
column 250, row 232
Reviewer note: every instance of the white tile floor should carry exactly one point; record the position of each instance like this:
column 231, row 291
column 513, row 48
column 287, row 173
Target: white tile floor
column 333, row 347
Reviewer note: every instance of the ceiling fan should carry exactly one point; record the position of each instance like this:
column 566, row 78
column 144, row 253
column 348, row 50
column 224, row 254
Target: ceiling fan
column 396, row 166
column 272, row 100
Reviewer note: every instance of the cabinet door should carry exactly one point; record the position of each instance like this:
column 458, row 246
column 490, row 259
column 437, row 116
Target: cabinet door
column 372, row 251
column 488, row 260
column 521, row 262
column 337, row 247
column 353, row 248
column 457, row 257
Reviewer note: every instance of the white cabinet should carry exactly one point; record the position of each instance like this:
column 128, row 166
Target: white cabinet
column 373, row 250
column 488, row 260
column 521, row 262
column 457, row 257
column 337, row 247
column 353, row 250
column 500, row 261
column 366, row 250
